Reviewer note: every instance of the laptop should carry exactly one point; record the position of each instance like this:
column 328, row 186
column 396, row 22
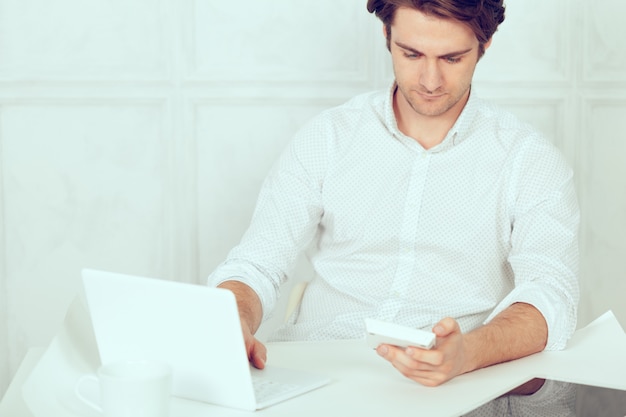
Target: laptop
column 194, row 328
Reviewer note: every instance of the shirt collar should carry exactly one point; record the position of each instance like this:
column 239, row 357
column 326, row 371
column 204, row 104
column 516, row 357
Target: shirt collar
column 457, row 134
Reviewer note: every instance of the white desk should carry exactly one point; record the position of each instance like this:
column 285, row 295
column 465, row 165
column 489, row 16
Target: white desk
column 362, row 383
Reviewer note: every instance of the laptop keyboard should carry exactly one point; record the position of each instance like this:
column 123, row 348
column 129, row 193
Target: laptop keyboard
column 265, row 388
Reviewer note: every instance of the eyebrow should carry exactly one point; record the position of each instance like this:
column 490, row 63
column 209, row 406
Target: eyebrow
column 448, row 55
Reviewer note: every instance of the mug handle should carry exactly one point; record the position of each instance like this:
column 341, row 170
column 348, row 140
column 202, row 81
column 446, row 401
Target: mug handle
column 89, row 378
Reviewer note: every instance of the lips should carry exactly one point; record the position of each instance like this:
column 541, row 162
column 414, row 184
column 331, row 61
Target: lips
column 430, row 96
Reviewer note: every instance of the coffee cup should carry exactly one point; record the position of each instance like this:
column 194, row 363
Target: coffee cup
column 128, row 389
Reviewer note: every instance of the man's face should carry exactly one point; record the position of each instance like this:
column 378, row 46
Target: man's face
column 433, row 61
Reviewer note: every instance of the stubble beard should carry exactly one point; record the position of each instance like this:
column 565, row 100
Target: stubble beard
column 438, row 106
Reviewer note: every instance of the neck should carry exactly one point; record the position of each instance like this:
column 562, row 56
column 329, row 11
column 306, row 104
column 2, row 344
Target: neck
column 428, row 131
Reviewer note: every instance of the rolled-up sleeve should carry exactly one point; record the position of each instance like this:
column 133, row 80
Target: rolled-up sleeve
column 544, row 241
column 284, row 222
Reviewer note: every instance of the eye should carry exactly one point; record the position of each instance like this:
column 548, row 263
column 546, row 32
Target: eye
column 452, row 60
column 410, row 55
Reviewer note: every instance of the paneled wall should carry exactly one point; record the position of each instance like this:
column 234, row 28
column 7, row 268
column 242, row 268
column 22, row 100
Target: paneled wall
column 134, row 135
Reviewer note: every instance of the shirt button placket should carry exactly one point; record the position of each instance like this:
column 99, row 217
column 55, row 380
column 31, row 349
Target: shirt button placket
column 408, row 231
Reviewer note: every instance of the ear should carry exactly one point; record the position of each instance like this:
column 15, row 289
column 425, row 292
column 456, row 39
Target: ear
column 487, row 44
column 387, row 35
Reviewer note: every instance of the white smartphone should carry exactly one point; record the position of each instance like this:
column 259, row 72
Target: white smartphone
column 380, row 332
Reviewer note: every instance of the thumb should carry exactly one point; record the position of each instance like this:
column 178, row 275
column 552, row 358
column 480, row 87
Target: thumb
column 446, row 327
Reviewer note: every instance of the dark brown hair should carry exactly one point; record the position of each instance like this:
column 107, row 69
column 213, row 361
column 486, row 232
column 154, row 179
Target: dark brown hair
column 482, row 16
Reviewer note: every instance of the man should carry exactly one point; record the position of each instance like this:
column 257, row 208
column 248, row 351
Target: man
column 422, row 205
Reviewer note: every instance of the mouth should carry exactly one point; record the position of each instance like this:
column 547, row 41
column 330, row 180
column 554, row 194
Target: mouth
column 430, row 96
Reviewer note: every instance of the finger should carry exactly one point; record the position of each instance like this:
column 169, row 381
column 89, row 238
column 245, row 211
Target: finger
column 429, row 358
column 445, row 327
column 258, row 355
column 400, row 360
column 429, row 379
column 421, row 372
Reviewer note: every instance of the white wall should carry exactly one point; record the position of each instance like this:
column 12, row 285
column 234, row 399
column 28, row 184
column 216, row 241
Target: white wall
column 134, row 134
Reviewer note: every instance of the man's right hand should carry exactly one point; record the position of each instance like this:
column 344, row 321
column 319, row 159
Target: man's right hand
column 250, row 313
column 257, row 353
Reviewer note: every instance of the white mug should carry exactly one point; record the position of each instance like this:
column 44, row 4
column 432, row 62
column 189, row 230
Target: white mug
column 129, row 389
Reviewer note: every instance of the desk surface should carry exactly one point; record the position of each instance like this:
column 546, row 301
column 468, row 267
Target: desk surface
column 591, row 401
column 363, row 384
column 361, row 381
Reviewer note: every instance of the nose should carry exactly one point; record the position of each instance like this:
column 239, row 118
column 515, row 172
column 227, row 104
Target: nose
column 431, row 78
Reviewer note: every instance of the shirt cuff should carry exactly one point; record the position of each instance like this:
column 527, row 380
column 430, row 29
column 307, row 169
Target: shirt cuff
column 558, row 310
column 252, row 277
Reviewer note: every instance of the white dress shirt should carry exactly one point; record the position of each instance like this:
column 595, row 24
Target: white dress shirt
column 395, row 232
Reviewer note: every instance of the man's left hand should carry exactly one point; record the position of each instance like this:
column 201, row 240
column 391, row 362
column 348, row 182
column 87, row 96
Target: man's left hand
column 435, row 366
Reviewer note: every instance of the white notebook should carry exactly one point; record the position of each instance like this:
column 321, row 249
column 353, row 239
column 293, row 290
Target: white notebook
column 194, row 328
